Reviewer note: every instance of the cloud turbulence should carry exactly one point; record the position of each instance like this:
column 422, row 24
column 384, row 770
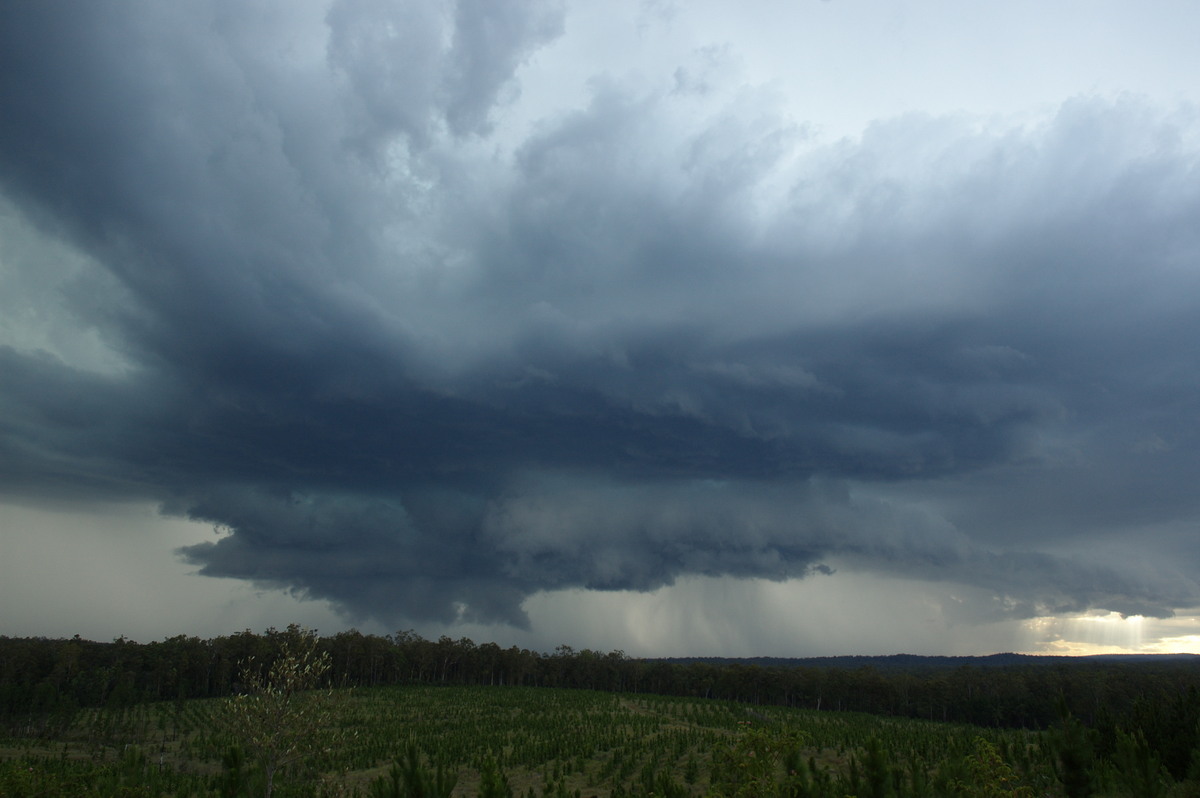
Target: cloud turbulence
column 424, row 346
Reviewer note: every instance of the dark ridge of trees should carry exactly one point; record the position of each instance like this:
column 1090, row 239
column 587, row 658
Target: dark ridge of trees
column 43, row 681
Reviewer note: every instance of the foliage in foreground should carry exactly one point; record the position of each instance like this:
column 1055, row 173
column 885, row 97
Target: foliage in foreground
column 273, row 718
column 500, row 742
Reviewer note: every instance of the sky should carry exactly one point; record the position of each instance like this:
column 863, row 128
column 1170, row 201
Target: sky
column 779, row 329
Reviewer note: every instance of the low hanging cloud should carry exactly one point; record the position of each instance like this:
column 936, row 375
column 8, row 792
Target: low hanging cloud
column 410, row 365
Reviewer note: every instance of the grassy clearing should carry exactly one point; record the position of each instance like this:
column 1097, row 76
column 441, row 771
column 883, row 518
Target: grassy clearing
column 546, row 741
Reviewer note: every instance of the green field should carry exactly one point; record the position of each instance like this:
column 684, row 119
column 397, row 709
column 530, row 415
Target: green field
column 543, row 741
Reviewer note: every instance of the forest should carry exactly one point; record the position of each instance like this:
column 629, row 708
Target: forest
column 1050, row 726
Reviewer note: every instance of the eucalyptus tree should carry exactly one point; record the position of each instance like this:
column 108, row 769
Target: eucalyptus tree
column 280, row 715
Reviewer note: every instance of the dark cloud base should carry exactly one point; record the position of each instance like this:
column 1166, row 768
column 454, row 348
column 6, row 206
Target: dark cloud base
column 422, row 383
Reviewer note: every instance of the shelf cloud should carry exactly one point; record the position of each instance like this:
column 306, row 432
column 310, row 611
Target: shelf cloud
column 351, row 283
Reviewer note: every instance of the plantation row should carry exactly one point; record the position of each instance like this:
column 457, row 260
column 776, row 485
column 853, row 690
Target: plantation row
column 495, row 741
column 50, row 679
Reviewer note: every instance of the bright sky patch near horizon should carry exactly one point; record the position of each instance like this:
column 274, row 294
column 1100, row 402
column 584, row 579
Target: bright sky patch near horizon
column 805, row 328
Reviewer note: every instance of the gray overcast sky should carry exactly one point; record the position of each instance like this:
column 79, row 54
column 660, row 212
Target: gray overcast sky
column 800, row 328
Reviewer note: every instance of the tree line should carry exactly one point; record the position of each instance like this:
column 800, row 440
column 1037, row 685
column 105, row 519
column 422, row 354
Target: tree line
column 41, row 677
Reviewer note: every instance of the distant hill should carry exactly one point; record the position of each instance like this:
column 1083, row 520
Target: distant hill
column 916, row 663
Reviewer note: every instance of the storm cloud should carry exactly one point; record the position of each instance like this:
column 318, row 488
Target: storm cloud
column 423, row 351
